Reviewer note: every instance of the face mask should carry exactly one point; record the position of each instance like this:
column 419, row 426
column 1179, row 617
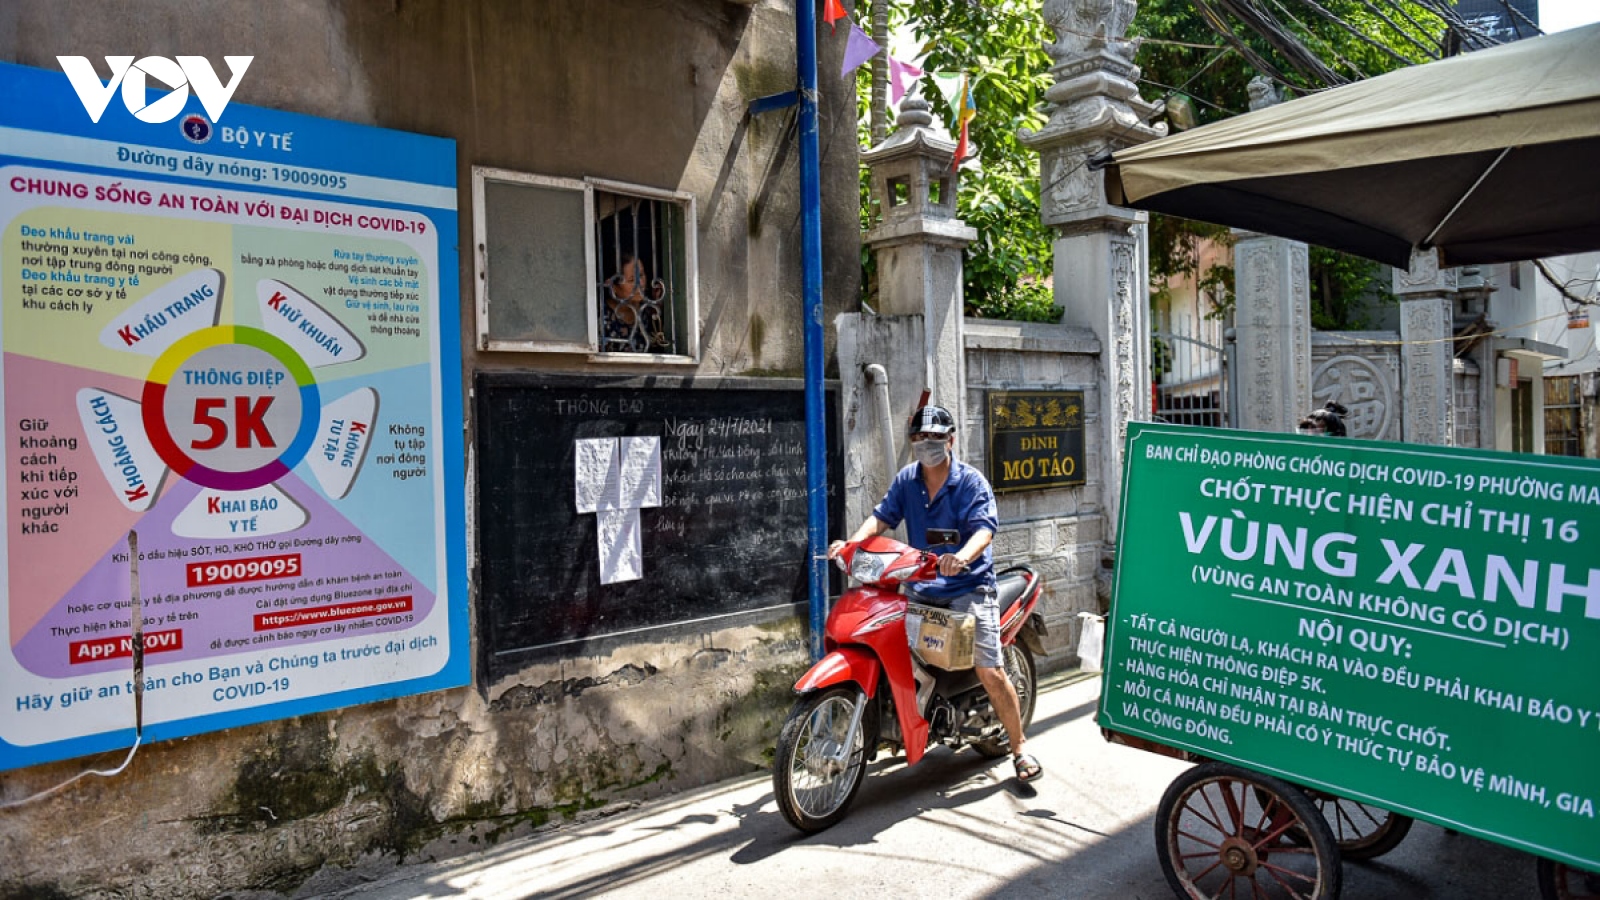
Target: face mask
column 931, row 453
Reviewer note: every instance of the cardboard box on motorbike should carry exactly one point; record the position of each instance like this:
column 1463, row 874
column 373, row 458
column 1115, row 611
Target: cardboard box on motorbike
column 940, row 637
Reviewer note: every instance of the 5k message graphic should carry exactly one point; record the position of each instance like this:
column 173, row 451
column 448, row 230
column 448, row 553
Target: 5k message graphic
column 223, row 451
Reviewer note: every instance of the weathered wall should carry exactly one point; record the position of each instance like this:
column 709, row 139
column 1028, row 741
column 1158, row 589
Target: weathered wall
column 1468, row 381
column 640, row 91
column 270, row 806
column 651, row 93
column 896, row 344
column 1061, row 532
column 1361, row 370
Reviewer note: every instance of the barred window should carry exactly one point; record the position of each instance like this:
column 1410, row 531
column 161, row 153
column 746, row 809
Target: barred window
column 584, row 266
column 1562, row 430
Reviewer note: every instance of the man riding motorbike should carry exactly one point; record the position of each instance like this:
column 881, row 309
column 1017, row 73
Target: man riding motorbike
column 949, row 510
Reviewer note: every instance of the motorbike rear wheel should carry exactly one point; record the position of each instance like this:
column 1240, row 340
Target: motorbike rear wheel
column 1018, row 662
column 815, row 777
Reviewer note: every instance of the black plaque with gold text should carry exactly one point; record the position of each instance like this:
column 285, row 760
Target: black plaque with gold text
column 1035, row 439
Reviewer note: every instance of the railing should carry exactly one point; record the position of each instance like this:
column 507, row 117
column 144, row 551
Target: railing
column 1195, row 382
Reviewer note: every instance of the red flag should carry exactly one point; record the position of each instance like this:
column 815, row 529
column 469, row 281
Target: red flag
column 966, row 111
column 832, row 12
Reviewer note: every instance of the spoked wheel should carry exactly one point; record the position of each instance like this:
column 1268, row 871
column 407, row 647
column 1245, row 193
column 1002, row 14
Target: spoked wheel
column 815, row 776
column 1360, row 830
column 1224, row 832
column 1559, row 881
column 1019, row 671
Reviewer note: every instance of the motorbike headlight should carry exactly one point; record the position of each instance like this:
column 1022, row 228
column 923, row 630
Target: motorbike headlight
column 868, row 567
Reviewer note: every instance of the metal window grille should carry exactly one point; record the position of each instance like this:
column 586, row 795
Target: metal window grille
column 1562, row 423
column 584, row 266
column 639, row 273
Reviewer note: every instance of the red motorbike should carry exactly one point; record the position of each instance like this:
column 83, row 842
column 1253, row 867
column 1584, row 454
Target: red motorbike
column 869, row 689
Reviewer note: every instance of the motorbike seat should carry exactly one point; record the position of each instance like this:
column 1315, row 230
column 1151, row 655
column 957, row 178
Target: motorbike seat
column 1011, row 584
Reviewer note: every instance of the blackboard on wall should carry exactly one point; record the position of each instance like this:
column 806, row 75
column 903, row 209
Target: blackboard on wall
column 728, row 538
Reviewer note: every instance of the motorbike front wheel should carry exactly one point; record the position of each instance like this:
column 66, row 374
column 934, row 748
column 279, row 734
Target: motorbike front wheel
column 815, row 776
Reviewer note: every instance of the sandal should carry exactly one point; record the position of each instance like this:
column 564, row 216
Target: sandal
column 1028, row 768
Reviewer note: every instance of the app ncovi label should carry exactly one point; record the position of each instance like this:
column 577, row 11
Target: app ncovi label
column 132, row 77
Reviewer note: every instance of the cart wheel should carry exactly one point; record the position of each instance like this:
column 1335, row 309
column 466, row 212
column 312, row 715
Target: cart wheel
column 1223, row 831
column 1559, row 881
column 1360, row 830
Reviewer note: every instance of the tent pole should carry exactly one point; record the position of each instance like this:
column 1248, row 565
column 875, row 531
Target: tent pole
column 1428, row 241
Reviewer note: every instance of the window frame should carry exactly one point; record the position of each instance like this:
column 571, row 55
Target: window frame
column 480, row 176
column 691, row 262
column 1572, row 439
column 593, row 347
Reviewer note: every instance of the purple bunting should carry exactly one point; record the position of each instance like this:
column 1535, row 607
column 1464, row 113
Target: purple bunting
column 860, row 49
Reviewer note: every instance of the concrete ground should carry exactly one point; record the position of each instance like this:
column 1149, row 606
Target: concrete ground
column 955, row 825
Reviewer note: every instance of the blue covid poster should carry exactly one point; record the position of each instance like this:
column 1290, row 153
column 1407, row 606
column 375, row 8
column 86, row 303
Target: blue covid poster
column 231, row 407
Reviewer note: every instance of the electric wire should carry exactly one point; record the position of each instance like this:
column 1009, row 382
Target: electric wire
column 1328, row 44
column 138, row 686
column 1454, row 23
column 1347, row 338
column 1405, row 14
column 1430, row 52
column 1223, row 30
column 1381, row 47
column 1517, row 14
column 1281, row 40
column 1019, row 17
column 103, row 773
column 1179, row 90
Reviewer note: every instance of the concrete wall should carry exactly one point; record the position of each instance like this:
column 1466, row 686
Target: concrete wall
column 1468, row 381
column 651, row 92
column 896, row 344
column 1361, row 370
column 1061, row 532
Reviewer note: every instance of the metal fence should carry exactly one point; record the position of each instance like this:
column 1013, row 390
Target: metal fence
column 1194, row 384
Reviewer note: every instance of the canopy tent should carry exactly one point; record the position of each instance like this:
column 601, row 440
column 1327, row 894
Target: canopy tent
column 1492, row 156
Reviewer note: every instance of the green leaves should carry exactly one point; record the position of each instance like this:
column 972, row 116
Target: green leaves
column 1344, row 288
column 1000, row 45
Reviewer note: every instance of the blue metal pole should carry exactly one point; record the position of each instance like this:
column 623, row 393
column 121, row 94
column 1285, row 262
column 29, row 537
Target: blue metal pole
column 805, row 26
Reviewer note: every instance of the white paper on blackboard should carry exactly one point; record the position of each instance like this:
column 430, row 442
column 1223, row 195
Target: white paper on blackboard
column 639, row 484
column 595, row 474
column 621, row 558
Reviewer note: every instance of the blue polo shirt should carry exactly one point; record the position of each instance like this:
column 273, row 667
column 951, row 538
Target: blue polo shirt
column 965, row 504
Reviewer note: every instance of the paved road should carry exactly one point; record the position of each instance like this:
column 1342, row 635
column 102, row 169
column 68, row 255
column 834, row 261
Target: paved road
column 953, row 826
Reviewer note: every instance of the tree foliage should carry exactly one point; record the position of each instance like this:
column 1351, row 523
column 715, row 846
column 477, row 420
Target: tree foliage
column 1176, row 63
column 1000, row 45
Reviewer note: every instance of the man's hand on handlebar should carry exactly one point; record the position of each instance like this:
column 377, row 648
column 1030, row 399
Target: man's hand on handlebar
column 834, row 549
column 950, row 564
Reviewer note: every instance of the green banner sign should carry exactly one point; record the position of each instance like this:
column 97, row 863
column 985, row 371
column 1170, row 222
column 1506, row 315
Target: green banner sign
column 1413, row 627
